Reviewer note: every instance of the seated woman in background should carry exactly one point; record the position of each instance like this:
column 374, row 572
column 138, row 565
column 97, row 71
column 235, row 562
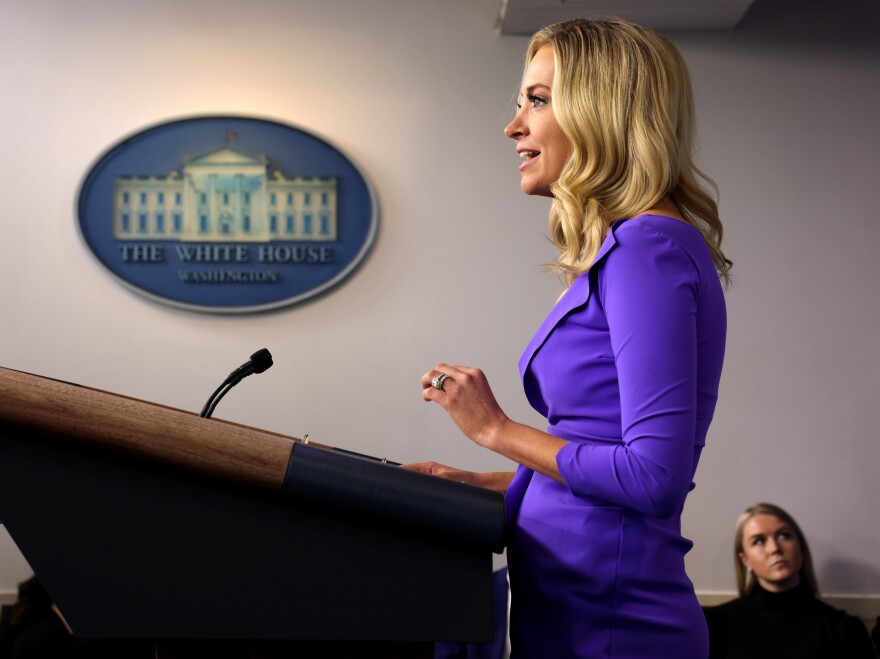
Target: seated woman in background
column 779, row 613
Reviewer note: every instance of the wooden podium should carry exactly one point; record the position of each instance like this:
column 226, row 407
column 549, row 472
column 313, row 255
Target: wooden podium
column 215, row 539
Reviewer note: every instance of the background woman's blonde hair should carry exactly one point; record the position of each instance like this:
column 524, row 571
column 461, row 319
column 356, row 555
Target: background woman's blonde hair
column 745, row 580
column 622, row 95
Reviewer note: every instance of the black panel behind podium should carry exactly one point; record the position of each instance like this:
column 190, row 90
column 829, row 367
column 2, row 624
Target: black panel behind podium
column 137, row 535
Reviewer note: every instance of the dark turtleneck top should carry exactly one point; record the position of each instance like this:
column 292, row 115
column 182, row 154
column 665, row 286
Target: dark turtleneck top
column 793, row 624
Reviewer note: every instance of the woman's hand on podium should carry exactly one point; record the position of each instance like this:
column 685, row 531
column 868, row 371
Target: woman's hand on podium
column 493, row 480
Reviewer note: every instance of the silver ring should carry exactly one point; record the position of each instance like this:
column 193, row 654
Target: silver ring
column 438, row 381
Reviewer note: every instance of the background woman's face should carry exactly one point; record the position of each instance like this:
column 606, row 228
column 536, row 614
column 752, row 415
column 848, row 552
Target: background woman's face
column 540, row 142
column 772, row 550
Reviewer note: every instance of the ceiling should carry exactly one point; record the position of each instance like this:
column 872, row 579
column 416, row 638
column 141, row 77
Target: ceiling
column 524, row 17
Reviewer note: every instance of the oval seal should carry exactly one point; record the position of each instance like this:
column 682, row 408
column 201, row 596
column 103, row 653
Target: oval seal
column 227, row 214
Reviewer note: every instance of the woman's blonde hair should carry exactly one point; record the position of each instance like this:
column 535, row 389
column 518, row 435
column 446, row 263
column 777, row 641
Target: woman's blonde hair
column 622, row 95
column 745, row 580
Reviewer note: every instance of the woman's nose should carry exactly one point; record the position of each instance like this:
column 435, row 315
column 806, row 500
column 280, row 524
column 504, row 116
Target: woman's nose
column 515, row 129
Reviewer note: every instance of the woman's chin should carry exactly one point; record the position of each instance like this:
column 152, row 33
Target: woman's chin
column 535, row 189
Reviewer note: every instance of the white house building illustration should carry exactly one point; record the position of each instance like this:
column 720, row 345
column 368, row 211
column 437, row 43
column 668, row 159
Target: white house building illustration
column 225, row 195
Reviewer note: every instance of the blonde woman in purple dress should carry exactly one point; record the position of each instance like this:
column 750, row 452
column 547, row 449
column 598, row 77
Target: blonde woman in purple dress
column 626, row 366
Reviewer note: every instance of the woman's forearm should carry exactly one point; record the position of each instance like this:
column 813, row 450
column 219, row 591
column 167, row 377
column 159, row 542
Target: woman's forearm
column 527, row 446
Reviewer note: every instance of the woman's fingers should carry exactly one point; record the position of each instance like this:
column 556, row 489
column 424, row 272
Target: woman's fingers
column 449, row 473
column 422, row 467
column 438, row 379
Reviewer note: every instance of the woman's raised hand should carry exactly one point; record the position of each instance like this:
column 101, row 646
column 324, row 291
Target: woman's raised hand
column 465, row 394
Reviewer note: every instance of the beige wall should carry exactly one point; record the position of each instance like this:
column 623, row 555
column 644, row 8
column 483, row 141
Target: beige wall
column 417, row 93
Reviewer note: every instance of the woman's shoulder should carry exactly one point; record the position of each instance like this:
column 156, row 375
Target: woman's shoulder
column 815, row 607
column 730, row 609
column 833, row 614
column 673, row 244
column 850, row 631
column 649, row 228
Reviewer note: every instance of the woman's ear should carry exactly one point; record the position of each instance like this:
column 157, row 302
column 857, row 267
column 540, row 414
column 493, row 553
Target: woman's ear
column 744, row 561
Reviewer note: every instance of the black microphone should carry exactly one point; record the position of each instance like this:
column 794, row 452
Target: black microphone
column 260, row 361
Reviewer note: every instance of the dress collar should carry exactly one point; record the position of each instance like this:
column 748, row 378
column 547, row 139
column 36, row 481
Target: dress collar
column 575, row 297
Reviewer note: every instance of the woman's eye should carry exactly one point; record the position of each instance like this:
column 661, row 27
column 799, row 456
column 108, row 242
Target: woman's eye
column 537, row 101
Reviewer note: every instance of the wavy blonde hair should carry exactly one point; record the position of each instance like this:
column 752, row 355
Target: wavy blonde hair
column 622, row 95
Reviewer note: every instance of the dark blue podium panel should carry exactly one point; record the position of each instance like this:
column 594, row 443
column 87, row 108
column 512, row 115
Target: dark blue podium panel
column 130, row 548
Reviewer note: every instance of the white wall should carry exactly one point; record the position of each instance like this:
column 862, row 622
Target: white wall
column 788, row 108
column 417, row 93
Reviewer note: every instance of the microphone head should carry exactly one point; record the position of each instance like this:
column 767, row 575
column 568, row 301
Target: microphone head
column 261, row 360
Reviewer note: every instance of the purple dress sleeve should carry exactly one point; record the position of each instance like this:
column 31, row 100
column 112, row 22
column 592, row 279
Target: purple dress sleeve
column 649, row 289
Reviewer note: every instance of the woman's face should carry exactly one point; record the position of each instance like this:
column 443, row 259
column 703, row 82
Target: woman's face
column 540, row 142
column 772, row 550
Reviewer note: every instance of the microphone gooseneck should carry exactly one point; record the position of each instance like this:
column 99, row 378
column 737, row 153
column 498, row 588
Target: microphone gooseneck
column 260, row 361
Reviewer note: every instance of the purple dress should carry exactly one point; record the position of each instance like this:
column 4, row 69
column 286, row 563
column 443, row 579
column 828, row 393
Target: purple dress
column 625, row 367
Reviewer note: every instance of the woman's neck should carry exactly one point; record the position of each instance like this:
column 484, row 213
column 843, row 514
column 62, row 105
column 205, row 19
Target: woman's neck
column 666, row 208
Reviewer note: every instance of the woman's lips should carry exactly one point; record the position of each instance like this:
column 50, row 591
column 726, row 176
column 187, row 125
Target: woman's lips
column 528, row 157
